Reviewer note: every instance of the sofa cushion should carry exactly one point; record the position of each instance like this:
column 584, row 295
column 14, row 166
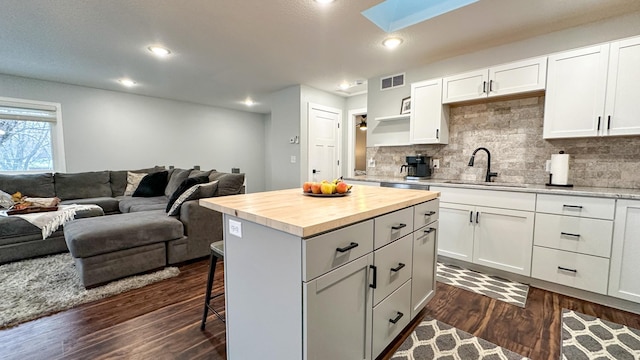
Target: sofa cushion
column 147, row 207
column 133, row 180
column 108, row 204
column 196, row 173
column 152, row 185
column 34, row 185
column 82, row 185
column 100, row 235
column 119, row 179
column 229, row 184
column 127, row 202
column 195, row 192
column 186, row 184
column 176, row 177
column 6, row 200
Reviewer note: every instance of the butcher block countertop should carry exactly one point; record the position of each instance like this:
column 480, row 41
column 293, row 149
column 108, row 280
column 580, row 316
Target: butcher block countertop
column 305, row 216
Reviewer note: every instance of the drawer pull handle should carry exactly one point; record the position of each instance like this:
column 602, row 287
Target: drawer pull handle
column 567, row 269
column 398, row 227
column 429, row 230
column 471, row 217
column 375, row 276
column 348, row 247
column 397, row 318
column 429, row 213
column 569, row 234
column 477, row 217
column 397, row 268
column 572, row 206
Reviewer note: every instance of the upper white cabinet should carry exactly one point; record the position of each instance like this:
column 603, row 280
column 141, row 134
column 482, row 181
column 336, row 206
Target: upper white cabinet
column 429, row 121
column 517, row 77
column 592, row 91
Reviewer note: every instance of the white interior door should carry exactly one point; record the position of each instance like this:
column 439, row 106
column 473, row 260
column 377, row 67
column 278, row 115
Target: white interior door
column 324, row 142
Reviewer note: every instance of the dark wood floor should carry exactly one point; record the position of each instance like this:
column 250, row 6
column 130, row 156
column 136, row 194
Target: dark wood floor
column 162, row 321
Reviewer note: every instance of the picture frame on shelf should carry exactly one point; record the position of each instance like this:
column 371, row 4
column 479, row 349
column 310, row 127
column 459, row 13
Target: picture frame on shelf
column 405, row 108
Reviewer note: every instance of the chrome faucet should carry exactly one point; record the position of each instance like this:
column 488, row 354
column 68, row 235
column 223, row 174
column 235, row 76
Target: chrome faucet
column 489, row 173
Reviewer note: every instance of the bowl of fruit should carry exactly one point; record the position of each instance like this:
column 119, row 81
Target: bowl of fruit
column 325, row 188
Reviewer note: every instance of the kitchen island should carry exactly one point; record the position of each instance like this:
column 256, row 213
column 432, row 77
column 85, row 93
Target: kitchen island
column 325, row 278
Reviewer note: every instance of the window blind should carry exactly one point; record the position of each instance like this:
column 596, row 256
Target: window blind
column 10, row 110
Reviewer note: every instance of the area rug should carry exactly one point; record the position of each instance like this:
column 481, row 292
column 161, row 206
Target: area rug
column 587, row 337
column 34, row 288
column 495, row 287
column 433, row 339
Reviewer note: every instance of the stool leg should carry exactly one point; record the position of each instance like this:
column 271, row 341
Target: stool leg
column 207, row 296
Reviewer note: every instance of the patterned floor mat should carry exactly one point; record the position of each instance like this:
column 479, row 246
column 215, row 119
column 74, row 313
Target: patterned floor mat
column 587, row 337
column 433, row 339
column 501, row 289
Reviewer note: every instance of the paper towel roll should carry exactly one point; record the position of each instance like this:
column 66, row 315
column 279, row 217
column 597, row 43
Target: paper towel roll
column 559, row 169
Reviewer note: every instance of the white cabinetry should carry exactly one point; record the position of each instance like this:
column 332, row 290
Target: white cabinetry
column 429, row 121
column 572, row 242
column 624, row 281
column 592, row 91
column 499, row 236
column 517, row 77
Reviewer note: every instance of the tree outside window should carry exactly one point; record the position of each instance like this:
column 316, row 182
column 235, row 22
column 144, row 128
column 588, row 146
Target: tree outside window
column 25, row 145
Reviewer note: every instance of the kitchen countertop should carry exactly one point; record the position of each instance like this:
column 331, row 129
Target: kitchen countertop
column 301, row 215
column 616, row 193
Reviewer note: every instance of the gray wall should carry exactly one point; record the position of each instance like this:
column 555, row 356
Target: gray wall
column 385, row 103
column 116, row 130
column 284, row 124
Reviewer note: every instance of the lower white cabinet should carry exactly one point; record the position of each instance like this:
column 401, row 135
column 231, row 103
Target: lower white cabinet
column 500, row 238
column 624, row 281
column 337, row 323
column 389, row 318
column 425, row 242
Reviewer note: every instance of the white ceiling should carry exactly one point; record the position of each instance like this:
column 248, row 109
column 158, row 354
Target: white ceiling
column 227, row 50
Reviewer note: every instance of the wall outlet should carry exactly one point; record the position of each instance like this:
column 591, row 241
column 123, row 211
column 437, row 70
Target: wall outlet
column 235, row 228
column 372, row 163
column 293, row 159
column 436, row 163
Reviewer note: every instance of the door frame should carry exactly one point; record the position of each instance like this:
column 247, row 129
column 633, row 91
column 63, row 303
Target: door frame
column 351, row 139
column 338, row 130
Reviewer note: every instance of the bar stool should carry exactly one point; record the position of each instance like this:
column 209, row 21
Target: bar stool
column 217, row 252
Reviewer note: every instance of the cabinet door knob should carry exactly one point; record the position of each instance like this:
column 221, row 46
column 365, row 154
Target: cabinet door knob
column 398, row 227
column 397, row 318
column 347, row 248
column 397, row 268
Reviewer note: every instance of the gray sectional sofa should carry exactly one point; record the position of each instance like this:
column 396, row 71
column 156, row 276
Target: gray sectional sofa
column 127, row 235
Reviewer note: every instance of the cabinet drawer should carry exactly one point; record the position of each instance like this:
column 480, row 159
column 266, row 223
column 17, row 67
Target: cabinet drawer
column 576, row 206
column 394, row 308
column 493, row 198
column 322, row 253
column 426, row 213
column 582, row 235
column 584, row 272
column 393, row 267
column 393, row 226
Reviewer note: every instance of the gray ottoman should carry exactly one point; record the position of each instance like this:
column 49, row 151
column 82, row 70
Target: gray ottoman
column 115, row 246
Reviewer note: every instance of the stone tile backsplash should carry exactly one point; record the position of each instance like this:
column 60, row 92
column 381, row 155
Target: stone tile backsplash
column 512, row 131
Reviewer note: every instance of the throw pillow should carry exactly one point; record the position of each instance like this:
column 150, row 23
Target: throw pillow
column 152, row 185
column 193, row 193
column 6, row 201
column 230, row 184
column 184, row 185
column 133, row 180
column 176, row 177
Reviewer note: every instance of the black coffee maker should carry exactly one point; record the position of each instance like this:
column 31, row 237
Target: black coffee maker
column 418, row 167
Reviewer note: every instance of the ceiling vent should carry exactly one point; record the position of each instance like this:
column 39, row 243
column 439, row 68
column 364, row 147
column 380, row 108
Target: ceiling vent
column 391, row 82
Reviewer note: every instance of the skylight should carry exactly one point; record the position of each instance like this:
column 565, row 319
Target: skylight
column 393, row 15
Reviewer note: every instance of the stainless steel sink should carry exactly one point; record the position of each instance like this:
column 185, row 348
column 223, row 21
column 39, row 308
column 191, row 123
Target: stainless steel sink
column 484, row 183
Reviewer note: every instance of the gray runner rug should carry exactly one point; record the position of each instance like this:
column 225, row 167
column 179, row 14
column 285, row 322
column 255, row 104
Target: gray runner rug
column 33, row 288
column 433, row 339
column 586, row 337
column 492, row 286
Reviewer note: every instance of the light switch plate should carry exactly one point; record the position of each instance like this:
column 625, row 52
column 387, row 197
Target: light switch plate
column 293, row 159
column 235, row 228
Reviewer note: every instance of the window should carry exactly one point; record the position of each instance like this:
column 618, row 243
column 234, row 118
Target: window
column 30, row 136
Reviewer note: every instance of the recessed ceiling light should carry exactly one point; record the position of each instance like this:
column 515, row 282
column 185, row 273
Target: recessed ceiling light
column 127, row 82
column 392, row 42
column 159, row 51
column 249, row 102
column 324, row 1
column 344, row 85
